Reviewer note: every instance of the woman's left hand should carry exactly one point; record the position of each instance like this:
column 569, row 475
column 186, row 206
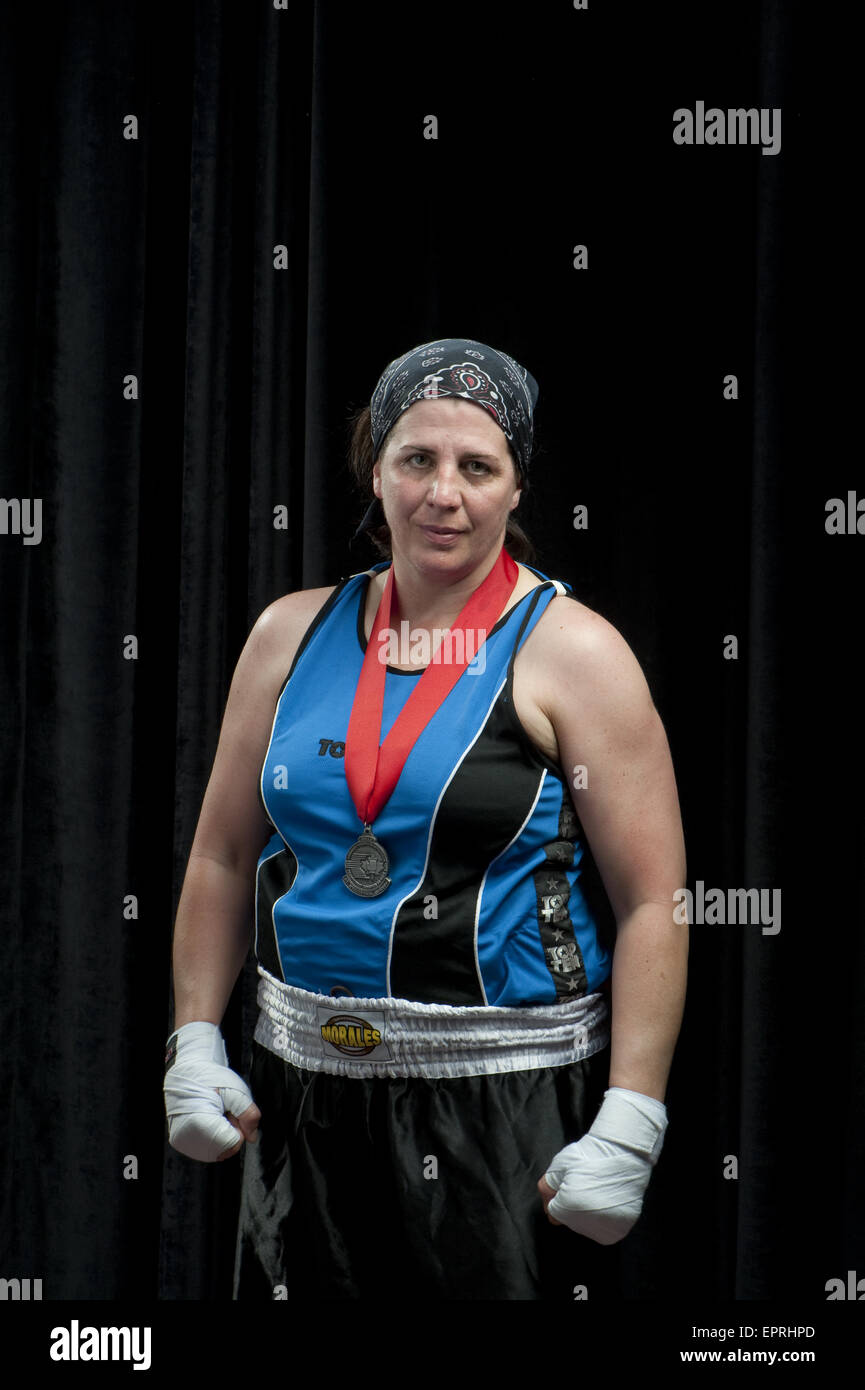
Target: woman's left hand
column 596, row 1186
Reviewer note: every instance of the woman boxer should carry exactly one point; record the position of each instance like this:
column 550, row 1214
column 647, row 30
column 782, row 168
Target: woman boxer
column 396, row 782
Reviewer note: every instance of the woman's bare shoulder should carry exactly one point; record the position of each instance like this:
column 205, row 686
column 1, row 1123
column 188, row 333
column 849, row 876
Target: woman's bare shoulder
column 567, row 623
column 279, row 629
column 579, row 648
column 292, row 611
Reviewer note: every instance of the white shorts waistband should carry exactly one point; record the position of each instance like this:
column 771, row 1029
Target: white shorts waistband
column 397, row 1037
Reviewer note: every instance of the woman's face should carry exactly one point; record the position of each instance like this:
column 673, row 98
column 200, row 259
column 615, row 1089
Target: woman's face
column 447, row 482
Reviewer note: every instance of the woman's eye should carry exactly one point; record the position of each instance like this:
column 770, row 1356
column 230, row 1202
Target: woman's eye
column 476, row 466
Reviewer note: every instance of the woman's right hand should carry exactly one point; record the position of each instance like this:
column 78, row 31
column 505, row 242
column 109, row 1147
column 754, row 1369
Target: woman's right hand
column 206, row 1102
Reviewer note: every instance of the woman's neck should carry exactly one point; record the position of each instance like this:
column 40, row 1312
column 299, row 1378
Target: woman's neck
column 436, row 602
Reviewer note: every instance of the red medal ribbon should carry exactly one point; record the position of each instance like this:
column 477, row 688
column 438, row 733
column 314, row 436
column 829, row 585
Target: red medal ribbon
column 371, row 771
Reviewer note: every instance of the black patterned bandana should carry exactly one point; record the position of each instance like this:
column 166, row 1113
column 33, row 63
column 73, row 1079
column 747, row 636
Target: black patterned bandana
column 459, row 367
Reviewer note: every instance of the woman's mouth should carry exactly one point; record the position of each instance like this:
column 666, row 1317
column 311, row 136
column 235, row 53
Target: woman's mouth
column 441, row 535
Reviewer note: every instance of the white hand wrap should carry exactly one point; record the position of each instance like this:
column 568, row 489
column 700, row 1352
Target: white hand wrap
column 199, row 1089
column 601, row 1180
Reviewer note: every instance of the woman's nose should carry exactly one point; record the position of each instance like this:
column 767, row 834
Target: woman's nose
column 444, row 491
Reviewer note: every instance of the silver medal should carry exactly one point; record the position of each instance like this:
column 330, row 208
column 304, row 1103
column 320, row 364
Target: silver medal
column 366, row 866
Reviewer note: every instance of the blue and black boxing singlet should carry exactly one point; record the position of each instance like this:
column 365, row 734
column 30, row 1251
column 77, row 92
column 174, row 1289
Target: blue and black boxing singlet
column 486, row 902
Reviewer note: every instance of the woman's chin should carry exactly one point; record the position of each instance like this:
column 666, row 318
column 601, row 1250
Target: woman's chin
column 433, row 558
column 452, row 566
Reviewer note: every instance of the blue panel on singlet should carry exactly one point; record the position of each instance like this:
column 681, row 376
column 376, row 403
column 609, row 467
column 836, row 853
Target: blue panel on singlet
column 485, row 903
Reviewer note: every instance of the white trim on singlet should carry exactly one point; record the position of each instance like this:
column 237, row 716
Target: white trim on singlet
column 267, row 755
column 411, row 893
column 258, row 869
column 283, row 691
column 278, row 832
column 486, row 871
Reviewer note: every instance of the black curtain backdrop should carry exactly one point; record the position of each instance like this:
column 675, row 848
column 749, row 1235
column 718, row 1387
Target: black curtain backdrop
column 153, row 258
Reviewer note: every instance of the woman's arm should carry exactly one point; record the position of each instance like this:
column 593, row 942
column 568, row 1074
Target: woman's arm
column 214, row 920
column 205, row 1100
column 214, row 917
column 604, row 719
column 597, row 701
